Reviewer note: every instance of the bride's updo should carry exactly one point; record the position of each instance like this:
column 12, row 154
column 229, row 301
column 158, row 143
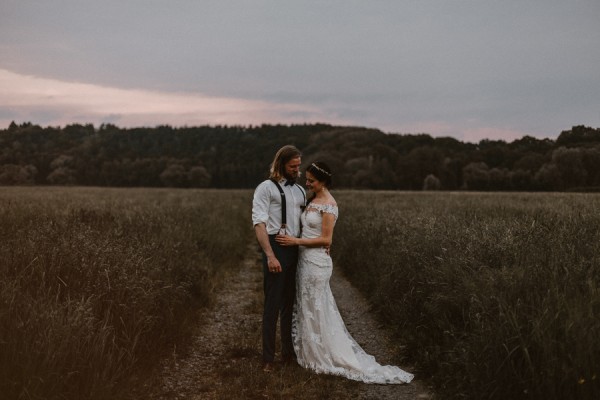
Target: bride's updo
column 321, row 172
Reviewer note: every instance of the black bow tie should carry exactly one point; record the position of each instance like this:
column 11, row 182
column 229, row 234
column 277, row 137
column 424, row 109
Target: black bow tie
column 289, row 183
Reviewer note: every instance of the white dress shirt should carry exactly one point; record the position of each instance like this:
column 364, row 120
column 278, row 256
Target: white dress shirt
column 266, row 206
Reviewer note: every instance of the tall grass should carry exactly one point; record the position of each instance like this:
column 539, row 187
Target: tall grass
column 497, row 296
column 95, row 282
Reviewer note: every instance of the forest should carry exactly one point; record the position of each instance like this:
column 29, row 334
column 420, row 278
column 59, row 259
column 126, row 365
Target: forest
column 239, row 157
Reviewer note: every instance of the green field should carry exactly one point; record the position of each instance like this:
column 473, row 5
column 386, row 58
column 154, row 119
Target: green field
column 494, row 296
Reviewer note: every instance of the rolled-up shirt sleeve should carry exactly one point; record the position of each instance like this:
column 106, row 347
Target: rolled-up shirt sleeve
column 260, row 205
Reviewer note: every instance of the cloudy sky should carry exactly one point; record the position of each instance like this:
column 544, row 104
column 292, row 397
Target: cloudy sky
column 471, row 69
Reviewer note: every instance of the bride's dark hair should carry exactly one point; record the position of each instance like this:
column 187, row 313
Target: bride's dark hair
column 322, row 173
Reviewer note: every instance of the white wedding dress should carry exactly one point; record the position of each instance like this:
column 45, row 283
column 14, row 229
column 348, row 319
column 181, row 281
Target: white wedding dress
column 321, row 341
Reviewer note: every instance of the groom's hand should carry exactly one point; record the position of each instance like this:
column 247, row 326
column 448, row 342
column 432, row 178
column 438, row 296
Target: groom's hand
column 273, row 265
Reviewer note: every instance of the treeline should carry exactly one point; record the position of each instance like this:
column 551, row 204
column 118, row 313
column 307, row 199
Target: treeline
column 239, row 157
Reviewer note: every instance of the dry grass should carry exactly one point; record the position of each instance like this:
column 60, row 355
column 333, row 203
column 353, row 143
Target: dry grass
column 95, row 282
column 495, row 295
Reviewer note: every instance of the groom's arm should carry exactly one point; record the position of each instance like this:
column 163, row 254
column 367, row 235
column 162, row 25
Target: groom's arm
column 263, row 240
column 260, row 216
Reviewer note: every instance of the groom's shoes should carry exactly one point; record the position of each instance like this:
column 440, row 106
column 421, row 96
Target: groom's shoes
column 268, row 367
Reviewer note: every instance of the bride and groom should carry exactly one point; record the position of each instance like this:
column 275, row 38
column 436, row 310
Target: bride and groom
column 295, row 234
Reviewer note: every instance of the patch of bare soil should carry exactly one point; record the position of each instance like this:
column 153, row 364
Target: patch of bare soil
column 224, row 362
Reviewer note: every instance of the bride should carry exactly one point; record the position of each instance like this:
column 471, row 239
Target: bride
column 321, row 341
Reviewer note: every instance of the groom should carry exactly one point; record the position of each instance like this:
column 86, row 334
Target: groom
column 277, row 205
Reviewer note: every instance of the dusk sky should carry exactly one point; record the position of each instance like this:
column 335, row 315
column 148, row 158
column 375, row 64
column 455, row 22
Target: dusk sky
column 470, row 69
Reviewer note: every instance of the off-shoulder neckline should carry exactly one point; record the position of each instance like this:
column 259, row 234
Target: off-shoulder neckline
column 323, row 204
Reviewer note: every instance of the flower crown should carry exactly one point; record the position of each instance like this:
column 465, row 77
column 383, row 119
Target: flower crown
column 321, row 169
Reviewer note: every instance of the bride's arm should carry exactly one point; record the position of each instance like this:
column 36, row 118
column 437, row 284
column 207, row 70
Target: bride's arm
column 322, row 241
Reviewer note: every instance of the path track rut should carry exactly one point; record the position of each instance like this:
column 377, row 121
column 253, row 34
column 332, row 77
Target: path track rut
column 223, row 360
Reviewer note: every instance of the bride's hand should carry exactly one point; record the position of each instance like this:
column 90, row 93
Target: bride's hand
column 286, row 240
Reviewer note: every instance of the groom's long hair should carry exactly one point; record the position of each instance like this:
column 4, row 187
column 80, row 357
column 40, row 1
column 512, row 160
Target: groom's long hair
column 283, row 155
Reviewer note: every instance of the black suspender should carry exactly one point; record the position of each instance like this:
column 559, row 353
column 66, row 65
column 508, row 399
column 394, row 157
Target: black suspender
column 284, row 202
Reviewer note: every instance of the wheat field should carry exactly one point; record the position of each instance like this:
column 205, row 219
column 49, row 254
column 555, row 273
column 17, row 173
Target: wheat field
column 497, row 296
column 95, row 282
column 492, row 296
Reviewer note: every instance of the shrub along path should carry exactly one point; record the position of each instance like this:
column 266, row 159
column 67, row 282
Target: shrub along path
column 223, row 360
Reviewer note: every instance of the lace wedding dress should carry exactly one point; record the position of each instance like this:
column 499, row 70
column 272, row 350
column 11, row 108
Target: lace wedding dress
column 321, row 341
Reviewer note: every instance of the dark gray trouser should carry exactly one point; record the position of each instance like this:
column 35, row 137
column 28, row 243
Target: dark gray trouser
column 280, row 293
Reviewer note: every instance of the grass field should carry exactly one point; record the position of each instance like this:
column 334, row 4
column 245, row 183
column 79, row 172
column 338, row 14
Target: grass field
column 94, row 282
column 495, row 296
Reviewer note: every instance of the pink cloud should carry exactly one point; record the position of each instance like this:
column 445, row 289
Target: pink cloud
column 475, row 135
column 434, row 128
column 24, row 96
column 471, row 133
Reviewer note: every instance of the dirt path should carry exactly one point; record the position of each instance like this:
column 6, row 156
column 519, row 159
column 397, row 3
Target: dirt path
column 373, row 338
column 224, row 359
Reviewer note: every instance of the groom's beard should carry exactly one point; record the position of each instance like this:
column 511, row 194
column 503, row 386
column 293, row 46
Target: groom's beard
column 290, row 178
